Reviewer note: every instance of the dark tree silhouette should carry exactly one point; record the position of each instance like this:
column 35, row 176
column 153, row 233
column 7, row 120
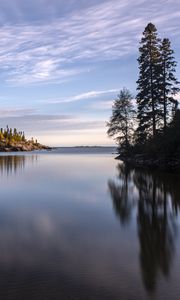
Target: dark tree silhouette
column 168, row 82
column 121, row 122
column 148, row 82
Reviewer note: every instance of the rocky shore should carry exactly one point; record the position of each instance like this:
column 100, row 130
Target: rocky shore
column 21, row 146
column 141, row 161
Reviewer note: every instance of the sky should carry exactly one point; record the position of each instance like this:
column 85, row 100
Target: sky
column 63, row 62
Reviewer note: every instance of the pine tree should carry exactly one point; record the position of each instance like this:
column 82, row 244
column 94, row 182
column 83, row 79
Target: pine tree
column 148, row 83
column 23, row 137
column 10, row 134
column 169, row 83
column 121, row 122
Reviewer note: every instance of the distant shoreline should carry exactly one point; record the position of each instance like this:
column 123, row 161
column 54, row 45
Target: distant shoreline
column 84, row 147
column 30, row 146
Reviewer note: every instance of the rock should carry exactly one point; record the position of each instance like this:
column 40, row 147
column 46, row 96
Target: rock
column 22, row 146
column 143, row 162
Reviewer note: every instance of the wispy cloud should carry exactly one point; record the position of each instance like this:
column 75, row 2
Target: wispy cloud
column 56, row 50
column 83, row 96
column 36, row 124
column 102, row 105
column 16, row 112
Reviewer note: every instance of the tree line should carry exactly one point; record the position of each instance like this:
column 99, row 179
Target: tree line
column 149, row 124
column 11, row 135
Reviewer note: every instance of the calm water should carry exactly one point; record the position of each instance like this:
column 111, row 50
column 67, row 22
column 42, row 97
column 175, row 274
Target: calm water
column 79, row 225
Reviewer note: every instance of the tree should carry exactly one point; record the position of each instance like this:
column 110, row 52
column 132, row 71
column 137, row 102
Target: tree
column 148, row 83
column 168, row 83
column 23, row 137
column 121, row 122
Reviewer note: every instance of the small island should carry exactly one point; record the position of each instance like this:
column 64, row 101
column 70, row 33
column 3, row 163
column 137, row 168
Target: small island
column 12, row 140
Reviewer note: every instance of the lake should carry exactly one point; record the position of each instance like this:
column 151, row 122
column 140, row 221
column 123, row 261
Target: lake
column 77, row 224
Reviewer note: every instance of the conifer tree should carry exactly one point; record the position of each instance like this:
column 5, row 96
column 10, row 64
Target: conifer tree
column 148, row 83
column 168, row 83
column 121, row 121
column 23, row 137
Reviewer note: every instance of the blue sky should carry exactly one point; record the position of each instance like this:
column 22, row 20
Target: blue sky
column 62, row 62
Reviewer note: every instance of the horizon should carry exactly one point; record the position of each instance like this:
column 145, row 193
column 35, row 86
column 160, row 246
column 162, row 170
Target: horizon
column 63, row 63
column 87, row 146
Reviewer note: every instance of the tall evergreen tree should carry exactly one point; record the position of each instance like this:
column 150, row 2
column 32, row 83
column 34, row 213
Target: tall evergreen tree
column 168, row 83
column 121, row 122
column 148, row 83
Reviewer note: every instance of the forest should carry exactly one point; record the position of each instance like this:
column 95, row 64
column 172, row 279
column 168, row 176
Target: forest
column 10, row 135
column 147, row 128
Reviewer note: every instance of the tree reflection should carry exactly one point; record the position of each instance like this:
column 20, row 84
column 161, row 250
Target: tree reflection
column 121, row 194
column 12, row 163
column 157, row 203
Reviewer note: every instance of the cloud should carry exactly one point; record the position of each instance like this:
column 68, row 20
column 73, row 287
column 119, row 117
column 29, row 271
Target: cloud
column 44, row 123
column 102, row 105
column 35, row 117
column 16, row 112
column 83, row 96
column 59, row 48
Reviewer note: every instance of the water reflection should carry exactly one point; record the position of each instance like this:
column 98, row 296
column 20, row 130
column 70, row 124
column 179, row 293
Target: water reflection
column 154, row 197
column 59, row 240
column 122, row 195
column 11, row 164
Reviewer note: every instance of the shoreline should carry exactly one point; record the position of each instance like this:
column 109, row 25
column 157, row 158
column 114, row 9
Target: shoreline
column 139, row 161
column 22, row 147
